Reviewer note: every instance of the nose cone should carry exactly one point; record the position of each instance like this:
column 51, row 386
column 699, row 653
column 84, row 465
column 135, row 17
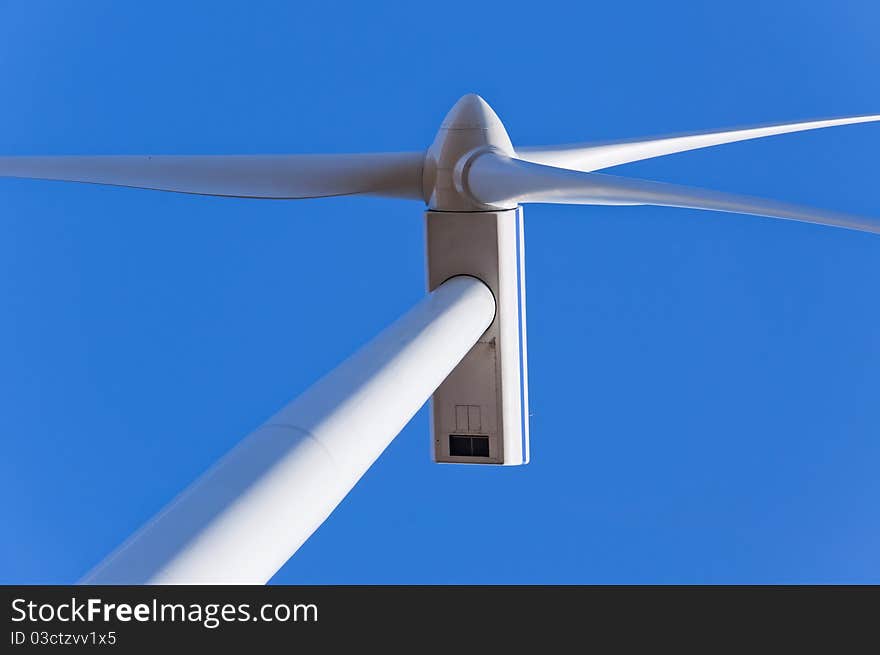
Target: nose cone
column 471, row 123
column 469, row 128
column 471, row 112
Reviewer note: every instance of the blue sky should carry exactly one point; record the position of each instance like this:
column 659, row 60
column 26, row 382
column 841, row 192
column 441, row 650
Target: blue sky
column 704, row 386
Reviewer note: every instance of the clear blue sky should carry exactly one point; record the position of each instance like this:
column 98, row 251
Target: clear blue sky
column 704, row 387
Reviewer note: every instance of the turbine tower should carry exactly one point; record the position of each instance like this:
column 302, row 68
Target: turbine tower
column 463, row 346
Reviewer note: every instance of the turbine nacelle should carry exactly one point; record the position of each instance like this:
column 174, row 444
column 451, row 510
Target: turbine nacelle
column 479, row 415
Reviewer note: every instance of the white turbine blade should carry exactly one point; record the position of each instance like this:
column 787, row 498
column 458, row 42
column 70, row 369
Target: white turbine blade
column 502, row 181
column 595, row 156
column 395, row 174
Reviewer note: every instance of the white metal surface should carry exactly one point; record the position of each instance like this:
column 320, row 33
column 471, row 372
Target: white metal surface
column 394, row 174
column 484, row 399
column 595, row 156
column 244, row 518
column 499, row 180
column 470, row 127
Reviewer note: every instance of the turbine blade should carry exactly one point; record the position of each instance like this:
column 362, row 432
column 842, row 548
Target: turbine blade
column 595, row 156
column 394, row 174
column 502, row 181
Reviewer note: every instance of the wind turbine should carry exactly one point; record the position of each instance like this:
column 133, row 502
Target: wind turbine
column 463, row 345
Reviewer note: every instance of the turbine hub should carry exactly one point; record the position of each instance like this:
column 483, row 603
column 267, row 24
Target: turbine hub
column 470, row 128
